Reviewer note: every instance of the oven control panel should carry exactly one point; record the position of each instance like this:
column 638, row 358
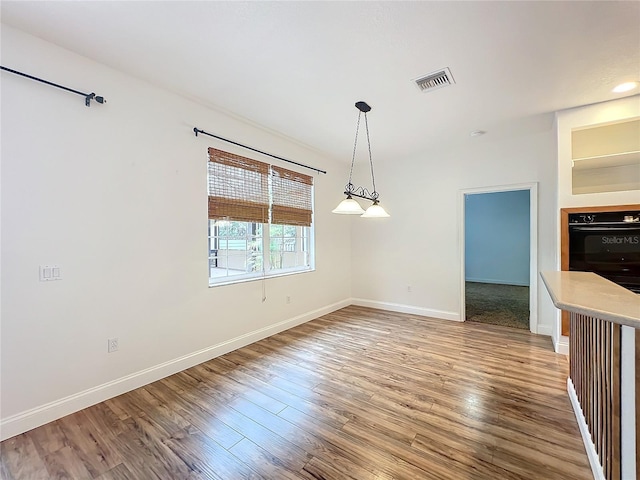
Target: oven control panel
column 605, row 218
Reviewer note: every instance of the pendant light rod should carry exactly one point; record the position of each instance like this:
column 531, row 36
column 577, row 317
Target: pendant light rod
column 350, row 189
column 366, row 126
column 87, row 96
column 355, row 144
column 349, row 206
column 197, row 131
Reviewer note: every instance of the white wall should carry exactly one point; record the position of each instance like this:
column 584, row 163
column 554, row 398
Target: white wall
column 425, row 218
column 116, row 195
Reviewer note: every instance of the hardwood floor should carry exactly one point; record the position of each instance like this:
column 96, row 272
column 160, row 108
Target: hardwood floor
column 359, row 393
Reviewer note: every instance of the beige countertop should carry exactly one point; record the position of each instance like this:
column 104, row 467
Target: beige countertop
column 590, row 294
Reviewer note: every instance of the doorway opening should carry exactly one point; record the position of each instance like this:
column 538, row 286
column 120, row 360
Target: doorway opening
column 498, row 253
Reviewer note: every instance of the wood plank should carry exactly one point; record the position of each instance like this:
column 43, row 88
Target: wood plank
column 430, row 456
column 492, row 434
column 47, row 439
column 20, row 459
column 362, row 453
column 316, row 407
column 204, row 455
column 146, row 453
column 64, row 463
column 317, row 468
column 306, row 439
column 4, row 470
column 105, row 420
column 262, row 461
column 119, row 472
column 523, row 464
column 197, row 416
column 96, row 452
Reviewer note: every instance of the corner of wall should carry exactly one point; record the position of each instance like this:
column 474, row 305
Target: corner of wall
column 561, row 345
column 411, row 309
column 546, row 330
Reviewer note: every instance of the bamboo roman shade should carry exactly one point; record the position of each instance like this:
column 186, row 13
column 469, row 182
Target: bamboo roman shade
column 291, row 197
column 238, row 188
column 245, row 190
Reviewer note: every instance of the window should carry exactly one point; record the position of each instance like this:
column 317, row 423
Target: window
column 260, row 219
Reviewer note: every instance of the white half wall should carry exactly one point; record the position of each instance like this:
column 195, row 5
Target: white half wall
column 116, row 195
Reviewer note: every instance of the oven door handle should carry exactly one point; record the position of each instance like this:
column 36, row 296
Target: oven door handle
column 603, row 230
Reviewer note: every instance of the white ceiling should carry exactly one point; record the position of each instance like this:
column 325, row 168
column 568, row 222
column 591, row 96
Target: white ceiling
column 297, row 68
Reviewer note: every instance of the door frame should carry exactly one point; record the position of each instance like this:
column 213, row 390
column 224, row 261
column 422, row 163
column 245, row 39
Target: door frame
column 533, row 244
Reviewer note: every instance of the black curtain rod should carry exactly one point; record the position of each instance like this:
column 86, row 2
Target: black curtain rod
column 197, row 131
column 87, row 96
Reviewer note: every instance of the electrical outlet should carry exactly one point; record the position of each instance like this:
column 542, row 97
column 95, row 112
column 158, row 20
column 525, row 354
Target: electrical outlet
column 112, row 345
column 288, row 299
column 409, row 288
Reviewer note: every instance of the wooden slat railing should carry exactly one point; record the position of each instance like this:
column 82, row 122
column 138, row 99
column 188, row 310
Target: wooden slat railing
column 594, row 356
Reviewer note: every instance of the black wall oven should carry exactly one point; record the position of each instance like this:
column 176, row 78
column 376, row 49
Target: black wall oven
column 607, row 243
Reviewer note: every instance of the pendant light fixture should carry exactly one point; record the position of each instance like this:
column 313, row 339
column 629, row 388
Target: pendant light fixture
column 349, row 206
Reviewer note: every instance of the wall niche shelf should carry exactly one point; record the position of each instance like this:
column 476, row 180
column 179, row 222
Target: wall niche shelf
column 611, row 160
column 606, row 158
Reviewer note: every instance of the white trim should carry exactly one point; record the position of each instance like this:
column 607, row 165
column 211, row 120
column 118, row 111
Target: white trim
column 545, row 330
column 596, row 468
column 562, row 345
column 397, row 307
column 35, row 417
column 497, row 282
column 260, row 276
column 533, row 244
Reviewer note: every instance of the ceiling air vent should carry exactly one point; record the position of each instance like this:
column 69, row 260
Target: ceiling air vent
column 435, row 80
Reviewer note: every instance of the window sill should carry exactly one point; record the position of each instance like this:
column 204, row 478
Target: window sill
column 261, row 277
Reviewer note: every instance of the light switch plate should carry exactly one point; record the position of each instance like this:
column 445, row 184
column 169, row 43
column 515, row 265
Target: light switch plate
column 49, row 273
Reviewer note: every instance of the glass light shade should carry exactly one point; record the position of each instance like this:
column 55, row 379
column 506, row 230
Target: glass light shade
column 625, row 87
column 375, row 211
column 348, row 206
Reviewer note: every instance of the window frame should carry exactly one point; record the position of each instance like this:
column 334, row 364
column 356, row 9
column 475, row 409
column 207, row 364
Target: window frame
column 255, row 193
column 276, row 193
column 266, row 271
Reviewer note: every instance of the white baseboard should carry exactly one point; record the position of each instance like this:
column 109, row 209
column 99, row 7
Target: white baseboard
column 592, row 453
column 397, row 307
column 497, row 282
column 545, row 330
column 562, row 345
column 35, row 417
